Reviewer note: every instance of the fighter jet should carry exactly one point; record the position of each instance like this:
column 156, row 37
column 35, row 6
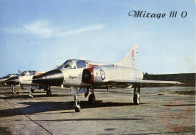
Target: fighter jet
column 24, row 79
column 7, row 77
column 3, row 79
column 84, row 76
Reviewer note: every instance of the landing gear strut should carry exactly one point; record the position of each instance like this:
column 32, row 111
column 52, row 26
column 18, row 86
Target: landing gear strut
column 13, row 89
column 136, row 94
column 76, row 101
column 48, row 91
column 30, row 92
column 77, row 104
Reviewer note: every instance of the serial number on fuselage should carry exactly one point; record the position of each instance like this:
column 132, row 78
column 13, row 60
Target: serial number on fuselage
column 72, row 77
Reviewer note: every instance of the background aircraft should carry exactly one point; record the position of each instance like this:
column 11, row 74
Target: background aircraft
column 84, row 76
column 24, row 79
column 3, row 79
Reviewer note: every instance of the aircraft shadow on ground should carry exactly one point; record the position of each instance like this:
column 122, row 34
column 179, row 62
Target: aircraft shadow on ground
column 99, row 103
column 25, row 96
column 93, row 119
column 39, row 107
column 5, row 93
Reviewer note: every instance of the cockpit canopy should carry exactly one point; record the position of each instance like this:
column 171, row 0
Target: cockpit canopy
column 27, row 73
column 10, row 75
column 73, row 64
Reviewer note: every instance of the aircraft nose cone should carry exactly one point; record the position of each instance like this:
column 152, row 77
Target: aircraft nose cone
column 51, row 78
column 12, row 81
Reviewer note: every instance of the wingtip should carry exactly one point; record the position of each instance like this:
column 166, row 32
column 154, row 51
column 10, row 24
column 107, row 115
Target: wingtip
column 180, row 83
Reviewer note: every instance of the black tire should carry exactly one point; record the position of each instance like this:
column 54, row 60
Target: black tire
column 136, row 99
column 91, row 99
column 21, row 86
column 48, row 93
column 32, row 90
column 77, row 109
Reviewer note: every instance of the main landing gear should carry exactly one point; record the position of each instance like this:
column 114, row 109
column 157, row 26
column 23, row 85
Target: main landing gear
column 136, row 94
column 32, row 90
column 91, row 97
column 48, row 91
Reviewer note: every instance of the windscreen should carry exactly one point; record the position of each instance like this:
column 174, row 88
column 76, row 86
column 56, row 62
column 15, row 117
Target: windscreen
column 68, row 65
column 81, row 64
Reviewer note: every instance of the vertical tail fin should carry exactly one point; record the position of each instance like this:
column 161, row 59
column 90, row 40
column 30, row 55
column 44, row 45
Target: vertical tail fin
column 19, row 71
column 129, row 60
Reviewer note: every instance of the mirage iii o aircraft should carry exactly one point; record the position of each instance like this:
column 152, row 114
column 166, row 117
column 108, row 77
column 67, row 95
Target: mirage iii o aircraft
column 5, row 78
column 84, row 76
column 24, row 79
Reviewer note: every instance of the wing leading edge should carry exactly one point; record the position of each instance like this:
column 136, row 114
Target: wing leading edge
column 144, row 81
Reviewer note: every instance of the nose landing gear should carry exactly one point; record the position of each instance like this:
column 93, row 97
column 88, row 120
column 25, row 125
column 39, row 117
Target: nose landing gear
column 77, row 104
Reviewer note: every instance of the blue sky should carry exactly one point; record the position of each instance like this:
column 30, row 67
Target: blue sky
column 39, row 35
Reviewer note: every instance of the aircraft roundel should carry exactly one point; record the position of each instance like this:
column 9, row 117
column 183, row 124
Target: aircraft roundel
column 102, row 73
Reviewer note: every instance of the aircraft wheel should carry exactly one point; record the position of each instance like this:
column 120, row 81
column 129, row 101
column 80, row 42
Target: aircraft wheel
column 136, row 99
column 91, row 99
column 21, row 86
column 32, row 90
column 77, row 107
column 48, row 93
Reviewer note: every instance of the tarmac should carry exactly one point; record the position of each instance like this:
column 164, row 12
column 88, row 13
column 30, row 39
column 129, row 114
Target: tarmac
column 162, row 111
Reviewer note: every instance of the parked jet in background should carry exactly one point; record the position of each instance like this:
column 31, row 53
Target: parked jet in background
column 3, row 79
column 24, row 79
column 84, row 76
